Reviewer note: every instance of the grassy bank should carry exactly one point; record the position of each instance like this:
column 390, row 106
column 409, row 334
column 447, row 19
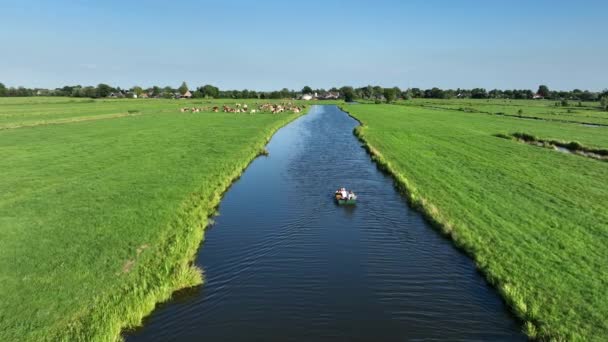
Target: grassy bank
column 100, row 219
column 533, row 219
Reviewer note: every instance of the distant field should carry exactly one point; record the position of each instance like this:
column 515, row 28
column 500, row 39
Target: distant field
column 33, row 111
column 586, row 112
column 99, row 218
column 534, row 219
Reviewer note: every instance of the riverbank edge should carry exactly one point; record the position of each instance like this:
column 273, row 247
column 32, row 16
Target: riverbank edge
column 531, row 327
column 161, row 269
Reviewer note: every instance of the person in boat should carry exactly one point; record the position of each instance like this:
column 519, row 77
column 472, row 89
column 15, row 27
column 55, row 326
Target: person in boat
column 351, row 195
column 343, row 193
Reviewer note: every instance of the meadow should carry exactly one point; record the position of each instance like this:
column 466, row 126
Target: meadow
column 573, row 112
column 103, row 207
column 533, row 219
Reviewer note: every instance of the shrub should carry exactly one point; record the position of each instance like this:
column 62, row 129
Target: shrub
column 604, row 103
column 525, row 136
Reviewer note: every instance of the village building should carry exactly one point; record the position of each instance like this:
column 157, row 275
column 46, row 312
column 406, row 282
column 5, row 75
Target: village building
column 329, row 96
column 187, row 95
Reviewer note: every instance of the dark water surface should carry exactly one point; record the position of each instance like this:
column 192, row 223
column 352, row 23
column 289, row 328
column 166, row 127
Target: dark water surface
column 284, row 263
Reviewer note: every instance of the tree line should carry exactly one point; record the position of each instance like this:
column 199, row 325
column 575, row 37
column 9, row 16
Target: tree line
column 348, row 93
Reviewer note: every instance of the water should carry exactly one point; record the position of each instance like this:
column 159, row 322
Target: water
column 563, row 149
column 284, row 263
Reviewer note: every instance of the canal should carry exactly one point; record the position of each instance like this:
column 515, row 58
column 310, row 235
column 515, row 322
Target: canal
column 283, row 262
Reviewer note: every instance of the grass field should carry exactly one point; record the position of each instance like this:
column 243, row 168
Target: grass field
column 535, row 220
column 585, row 113
column 101, row 215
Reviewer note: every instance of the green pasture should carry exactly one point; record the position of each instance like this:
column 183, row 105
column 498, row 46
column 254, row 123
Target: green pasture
column 100, row 219
column 534, row 219
column 576, row 112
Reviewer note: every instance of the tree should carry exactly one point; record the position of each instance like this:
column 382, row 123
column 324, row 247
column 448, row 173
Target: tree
column 407, row 95
column 210, row 91
column 156, row 91
column 168, row 92
column 434, row 93
column 368, row 92
column 389, row 94
column 348, row 93
column 197, row 94
column 543, row 91
column 2, row 90
column 103, row 90
column 495, row 93
column 183, row 88
column 285, row 93
column 137, row 90
column 416, row 92
column 88, row 92
column 604, row 103
column 397, row 92
column 307, row 90
column 377, row 91
column 588, row 96
column 479, row 93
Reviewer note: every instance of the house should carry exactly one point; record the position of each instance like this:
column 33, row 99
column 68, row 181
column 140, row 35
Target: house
column 538, row 97
column 187, row 95
column 143, row 96
column 330, row 96
column 306, row 97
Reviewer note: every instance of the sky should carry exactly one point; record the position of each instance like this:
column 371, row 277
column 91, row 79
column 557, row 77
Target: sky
column 268, row 45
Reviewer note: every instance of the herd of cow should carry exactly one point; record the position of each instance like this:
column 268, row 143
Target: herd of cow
column 274, row 108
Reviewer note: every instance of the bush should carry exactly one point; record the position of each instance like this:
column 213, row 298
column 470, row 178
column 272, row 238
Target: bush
column 525, row 136
column 564, row 103
column 604, row 103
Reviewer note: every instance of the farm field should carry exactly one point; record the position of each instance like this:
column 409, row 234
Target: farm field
column 34, row 111
column 534, row 219
column 100, row 218
column 585, row 113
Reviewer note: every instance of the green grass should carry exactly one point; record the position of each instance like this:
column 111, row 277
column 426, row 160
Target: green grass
column 100, row 219
column 589, row 112
column 34, row 111
column 534, row 220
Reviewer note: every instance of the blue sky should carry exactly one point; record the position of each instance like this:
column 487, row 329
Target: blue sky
column 267, row 45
